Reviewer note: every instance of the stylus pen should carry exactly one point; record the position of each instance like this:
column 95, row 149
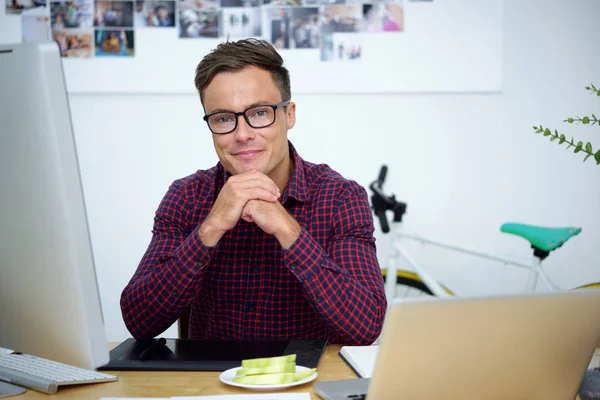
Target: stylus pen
column 159, row 343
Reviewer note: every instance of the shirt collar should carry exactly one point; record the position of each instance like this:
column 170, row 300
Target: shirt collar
column 296, row 186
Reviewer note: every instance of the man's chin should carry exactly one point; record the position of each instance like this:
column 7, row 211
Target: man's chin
column 240, row 169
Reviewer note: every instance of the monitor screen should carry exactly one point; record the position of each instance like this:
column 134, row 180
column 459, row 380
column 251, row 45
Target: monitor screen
column 49, row 300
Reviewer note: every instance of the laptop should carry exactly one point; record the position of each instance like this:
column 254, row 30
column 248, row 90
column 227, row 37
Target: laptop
column 527, row 346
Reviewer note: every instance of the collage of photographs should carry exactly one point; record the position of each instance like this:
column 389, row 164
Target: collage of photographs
column 99, row 28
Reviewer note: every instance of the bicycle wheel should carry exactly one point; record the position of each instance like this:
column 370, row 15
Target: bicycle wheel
column 595, row 285
column 409, row 284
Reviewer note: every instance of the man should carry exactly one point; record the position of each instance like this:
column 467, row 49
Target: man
column 264, row 245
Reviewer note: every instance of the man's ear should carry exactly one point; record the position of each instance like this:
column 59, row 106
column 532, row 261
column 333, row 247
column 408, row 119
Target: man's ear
column 290, row 112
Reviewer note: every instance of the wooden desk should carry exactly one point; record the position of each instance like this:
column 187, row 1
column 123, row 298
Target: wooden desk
column 181, row 383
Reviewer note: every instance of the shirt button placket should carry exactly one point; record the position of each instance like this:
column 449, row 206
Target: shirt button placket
column 253, row 282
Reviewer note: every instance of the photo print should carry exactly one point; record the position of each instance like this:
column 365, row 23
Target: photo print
column 305, row 30
column 204, row 5
column 241, row 22
column 198, row 24
column 326, row 46
column 383, row 18
column 71, row 14
column 347, row 47
column 282, row 3
column 74, row 43
column 35, row 28
column 341, row 18
column 18, row 6
column 154, row 14
column 279, row 24
column 114, row 14
column 114, row 42
column 239, row 3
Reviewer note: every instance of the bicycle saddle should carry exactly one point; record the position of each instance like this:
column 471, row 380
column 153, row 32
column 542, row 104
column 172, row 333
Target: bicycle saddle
column 546, row 239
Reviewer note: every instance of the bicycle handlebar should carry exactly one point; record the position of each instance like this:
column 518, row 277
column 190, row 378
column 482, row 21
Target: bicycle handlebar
column 382, row 202
column 385, row 227
column 382, row 174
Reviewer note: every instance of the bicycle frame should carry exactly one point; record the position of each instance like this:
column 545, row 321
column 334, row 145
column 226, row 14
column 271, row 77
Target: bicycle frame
column 397, row 250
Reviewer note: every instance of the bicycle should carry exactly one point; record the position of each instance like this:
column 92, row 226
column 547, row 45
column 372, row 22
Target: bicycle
column 419, row 281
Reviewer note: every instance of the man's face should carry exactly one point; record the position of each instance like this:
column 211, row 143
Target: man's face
column 247, row 148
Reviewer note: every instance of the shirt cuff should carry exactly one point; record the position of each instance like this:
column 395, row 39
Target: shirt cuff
column 193, row 255
column 304, row 257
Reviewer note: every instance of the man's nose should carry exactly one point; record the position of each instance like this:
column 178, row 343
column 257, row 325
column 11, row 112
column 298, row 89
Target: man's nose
column 243, row 130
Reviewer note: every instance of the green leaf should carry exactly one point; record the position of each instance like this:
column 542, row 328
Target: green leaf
column 578, row 147
column 597, row 157
column 547, row 132
column 588, row 147
column 570, row 120
column 586, row 120
column 553, row 138
column 562, row 138
column 593, row 116
column 586, row 157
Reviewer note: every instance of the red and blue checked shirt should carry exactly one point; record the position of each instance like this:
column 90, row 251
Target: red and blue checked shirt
column 327, row 285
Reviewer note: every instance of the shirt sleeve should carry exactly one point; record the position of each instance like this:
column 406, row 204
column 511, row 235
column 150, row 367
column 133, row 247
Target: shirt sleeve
column 165, row 281
column 343, row 284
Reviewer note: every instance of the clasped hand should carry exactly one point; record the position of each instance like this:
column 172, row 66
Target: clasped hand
column 253, row 197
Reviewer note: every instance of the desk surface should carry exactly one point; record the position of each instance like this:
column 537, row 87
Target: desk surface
column 167, row 384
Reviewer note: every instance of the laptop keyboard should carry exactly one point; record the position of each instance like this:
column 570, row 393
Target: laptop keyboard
column 357, row 396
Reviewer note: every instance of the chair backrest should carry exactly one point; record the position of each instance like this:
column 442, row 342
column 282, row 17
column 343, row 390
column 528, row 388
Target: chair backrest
column 183, row 323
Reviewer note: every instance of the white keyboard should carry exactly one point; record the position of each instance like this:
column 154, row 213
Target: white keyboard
column 44, row 375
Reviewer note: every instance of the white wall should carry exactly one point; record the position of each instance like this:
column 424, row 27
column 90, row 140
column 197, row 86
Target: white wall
column 464, row 163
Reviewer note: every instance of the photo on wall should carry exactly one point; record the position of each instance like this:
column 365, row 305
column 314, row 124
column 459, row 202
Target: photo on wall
column 347, row 47
column 114, row 14
column 74, row 43
column 35, row 28
column 341, row 18
column 204, row 5
column 326, row 46
column 383, row 18
column 154, row 14
column 240, row 22
column 282, row 3
column 71, row 14
column 18, row 6
column 306, row 29
column 239, row 3
column 279, row 25
column 114, row 42
column 198, row 24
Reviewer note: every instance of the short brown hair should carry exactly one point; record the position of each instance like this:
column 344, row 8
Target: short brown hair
column 234, row 56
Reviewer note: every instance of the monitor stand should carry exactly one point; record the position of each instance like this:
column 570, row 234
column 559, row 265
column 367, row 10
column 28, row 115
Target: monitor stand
column 8, row 389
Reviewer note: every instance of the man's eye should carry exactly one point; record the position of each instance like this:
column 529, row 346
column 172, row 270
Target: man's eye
column 223, row 120
column 260, row 113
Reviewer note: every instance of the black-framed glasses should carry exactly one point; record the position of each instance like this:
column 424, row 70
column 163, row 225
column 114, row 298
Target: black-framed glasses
column 223, row 122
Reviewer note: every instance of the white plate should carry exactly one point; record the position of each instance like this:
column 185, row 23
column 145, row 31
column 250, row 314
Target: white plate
column 227, row 378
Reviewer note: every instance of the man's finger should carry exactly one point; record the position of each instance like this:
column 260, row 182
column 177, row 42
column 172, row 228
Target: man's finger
column 256, row 182
column 260, row 194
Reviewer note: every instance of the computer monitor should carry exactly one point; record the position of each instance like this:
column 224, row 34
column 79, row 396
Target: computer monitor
column 49, row 299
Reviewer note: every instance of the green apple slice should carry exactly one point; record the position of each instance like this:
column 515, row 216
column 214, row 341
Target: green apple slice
column 266, row 379
column 298, row 376
column 271, row 369
column 268, row 361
